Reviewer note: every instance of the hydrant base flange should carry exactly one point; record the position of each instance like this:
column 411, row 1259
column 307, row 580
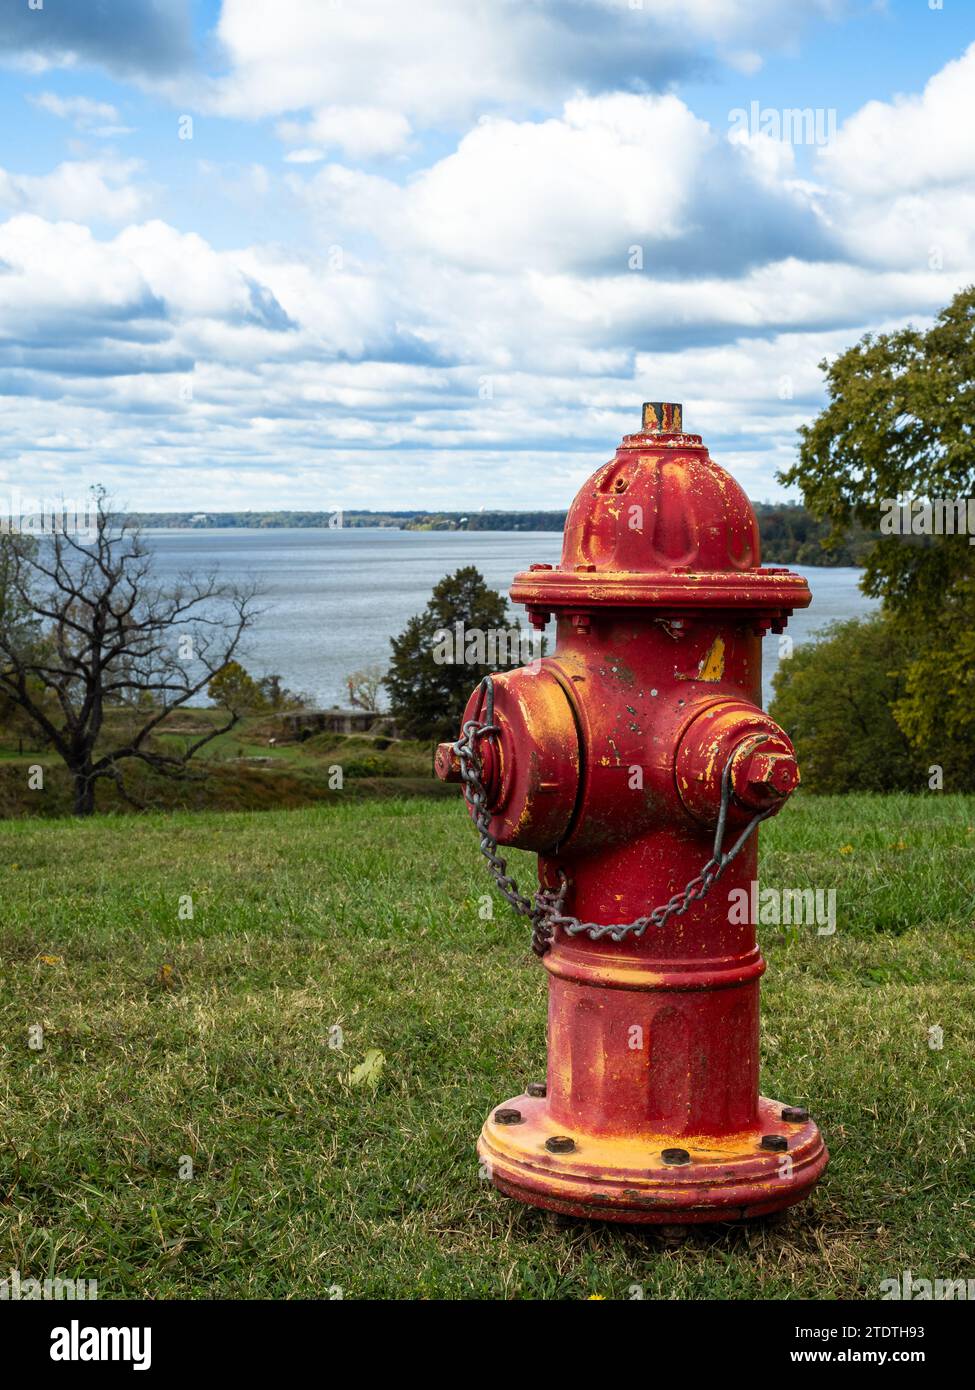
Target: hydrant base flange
column 627, row 1179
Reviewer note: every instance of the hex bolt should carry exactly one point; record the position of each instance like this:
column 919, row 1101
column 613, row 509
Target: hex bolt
column 795, row 1115
column 507, row 1116
column 775, row 1142
column 766, row 776
column 675, row 1156
column 538, row 1089
column 560, row 1144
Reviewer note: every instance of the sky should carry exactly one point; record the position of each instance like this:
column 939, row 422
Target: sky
column 322, row 254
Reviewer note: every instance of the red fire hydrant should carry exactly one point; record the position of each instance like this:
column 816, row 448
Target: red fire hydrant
column 637, row 762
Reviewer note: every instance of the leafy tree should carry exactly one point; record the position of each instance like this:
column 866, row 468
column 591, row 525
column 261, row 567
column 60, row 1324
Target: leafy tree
column 234, row 690
column 836, row 697
column 98, row 633
column 427, row 693
column 937, row 707
column 898, row 426
column 277, row 695
column 899, row 422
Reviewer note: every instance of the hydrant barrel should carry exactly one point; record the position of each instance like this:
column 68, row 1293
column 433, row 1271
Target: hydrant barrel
column 633, row 759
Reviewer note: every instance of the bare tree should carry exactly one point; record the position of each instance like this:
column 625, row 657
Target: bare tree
column 364, row 688
column 85, row 629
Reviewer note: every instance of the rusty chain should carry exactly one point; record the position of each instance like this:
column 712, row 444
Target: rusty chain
column 545, row 911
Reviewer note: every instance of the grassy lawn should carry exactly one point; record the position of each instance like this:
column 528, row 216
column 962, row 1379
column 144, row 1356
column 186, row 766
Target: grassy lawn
column 167, row 1036
column 243, row 771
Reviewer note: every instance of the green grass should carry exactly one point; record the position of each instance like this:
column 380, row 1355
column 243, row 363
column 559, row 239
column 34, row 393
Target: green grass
column 237, row 771
column 209, row 1037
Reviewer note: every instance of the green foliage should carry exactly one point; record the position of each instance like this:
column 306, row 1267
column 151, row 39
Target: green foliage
column 937, row 708
column 277, row 696
column 237, row 692
column 836, row 699
column 898, row 426
column 484, row 521
column 791, row 535
column 899, row 422
column 428, row 695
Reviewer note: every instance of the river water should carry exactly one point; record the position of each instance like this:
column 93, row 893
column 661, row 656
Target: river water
column 334, row 598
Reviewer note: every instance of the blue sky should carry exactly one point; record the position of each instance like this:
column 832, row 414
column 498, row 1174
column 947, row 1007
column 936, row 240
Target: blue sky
column 436, row 255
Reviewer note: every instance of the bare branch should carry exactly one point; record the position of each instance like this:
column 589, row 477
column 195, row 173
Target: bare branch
column 85, row 629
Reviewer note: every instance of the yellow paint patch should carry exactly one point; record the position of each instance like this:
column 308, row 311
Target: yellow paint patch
column 712, row 666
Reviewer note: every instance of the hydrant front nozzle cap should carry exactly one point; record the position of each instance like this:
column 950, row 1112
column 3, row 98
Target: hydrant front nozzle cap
column 663, row 417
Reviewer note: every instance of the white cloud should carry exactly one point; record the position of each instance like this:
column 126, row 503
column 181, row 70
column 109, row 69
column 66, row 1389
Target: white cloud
column 772, row 161
column 82, row 111
column 154, row 354
column 183, row 270
column 361, row 132
column 80, row 190
column 99, row 118
column 305, row 55
column 899, row 176
column 915, row 142
column 931, row 230
column 613, row 171
column 154, row 283
column 157, row 349
column 614, row 178
column 443, row 61
column 52, row 267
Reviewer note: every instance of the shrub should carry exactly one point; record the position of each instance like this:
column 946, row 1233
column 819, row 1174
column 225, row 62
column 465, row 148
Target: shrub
column 835, row 698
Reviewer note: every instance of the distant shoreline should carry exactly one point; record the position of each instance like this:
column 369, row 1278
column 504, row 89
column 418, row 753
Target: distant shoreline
column 790, row 534
column 339, row 520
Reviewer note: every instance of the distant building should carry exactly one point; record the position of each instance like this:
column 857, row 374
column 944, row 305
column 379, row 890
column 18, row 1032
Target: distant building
column 339, row 721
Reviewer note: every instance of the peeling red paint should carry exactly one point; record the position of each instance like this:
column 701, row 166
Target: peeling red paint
column 653, row 1041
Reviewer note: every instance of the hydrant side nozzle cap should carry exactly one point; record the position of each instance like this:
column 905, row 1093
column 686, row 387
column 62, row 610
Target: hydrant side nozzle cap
column 446, row 763
column 663, row 417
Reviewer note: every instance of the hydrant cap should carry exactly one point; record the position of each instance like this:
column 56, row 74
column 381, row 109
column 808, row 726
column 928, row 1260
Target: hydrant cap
column 661, row 524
